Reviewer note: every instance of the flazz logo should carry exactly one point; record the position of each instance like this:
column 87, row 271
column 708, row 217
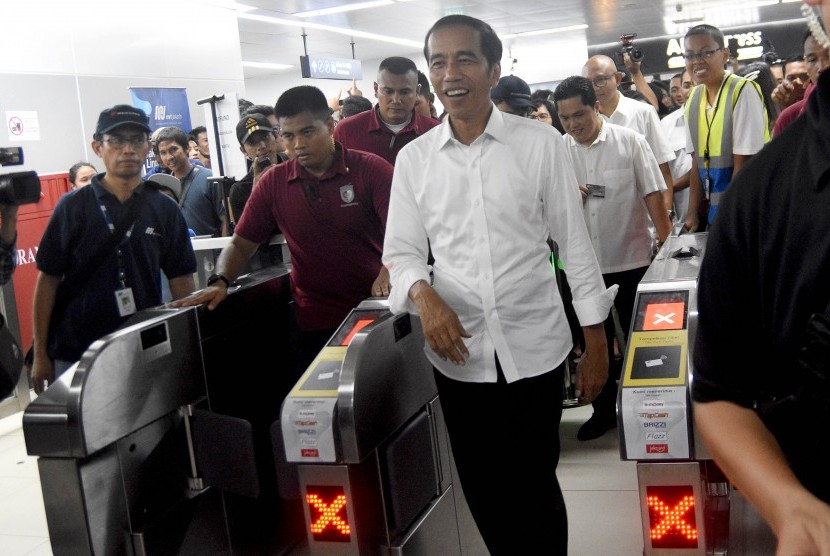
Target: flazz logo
column 347, row 193
column 656, row 435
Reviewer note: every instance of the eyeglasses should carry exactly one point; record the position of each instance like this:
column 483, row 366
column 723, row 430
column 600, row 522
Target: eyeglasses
column 703, row 54
column 540, row 116
column 118, row 141
column 601, row 80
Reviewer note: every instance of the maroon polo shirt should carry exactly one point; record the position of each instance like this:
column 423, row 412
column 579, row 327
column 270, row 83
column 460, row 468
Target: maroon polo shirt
column 334, row 227
column 366, row 132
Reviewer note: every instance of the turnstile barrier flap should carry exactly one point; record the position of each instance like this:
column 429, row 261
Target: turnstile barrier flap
column 124, row 381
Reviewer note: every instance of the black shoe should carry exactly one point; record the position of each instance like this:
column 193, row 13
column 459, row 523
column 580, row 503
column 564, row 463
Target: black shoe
column 595, row 427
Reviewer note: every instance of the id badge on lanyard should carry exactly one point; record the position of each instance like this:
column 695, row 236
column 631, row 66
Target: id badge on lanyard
column 124, row 299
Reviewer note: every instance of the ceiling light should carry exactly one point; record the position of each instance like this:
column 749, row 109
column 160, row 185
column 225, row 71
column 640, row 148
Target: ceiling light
column 332, row 29
column 228, row 4
column 344, row 8
column 266, row 65
column 544, row 31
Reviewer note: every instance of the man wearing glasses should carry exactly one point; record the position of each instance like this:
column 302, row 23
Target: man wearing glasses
column 393, row 122
column 70, row 314
column 626, row 112
column 725, row 117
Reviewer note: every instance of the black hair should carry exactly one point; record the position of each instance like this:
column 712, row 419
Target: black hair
column 760, row 73
column 541, row 94
column 708, row 30
column 423, row 81
column 244, row 104
column 194, row 133
column 554, row 113
column 790, row 60
column 397, row 65
column 73, row 171
column 172, row 134
column 659, row 89
column 576, row 86
column 677, row 76
column 304, row 98
column 490, row 42
column 637, row 95
column 355, row 105
column 262, row 109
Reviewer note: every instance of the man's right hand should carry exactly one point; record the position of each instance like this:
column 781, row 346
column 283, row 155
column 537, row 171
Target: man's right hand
column 787, row 93
column 805, row 527
column 692, row 223
column 441, row 326
column 212, row 295
column 43, row 373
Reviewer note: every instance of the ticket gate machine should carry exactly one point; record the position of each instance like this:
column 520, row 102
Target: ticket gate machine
column 686, row 504
column 157, row 441
column 365, row 427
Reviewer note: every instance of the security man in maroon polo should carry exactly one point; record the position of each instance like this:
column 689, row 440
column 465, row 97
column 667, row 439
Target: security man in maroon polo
column 330, row 202
column 393, row 122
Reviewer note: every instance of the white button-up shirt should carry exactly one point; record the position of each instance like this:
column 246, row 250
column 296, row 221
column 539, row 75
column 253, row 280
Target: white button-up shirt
column 621, row 161
column 674, row 126
column 487, row 210
column 642, row 118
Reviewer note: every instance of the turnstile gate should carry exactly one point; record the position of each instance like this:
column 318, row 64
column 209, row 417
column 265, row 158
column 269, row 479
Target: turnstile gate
column 686, row 504
column 365, row 428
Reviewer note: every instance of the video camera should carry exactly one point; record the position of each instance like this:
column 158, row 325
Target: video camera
column 627, row 42
column 17, row 188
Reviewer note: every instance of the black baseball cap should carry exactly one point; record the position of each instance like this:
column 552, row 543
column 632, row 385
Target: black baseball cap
column 512, row 90
column 119, row 115
column 250, row 124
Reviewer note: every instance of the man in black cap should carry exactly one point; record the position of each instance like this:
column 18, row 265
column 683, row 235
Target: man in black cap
column 101, row 255
column 259, row 143
column 512, row 95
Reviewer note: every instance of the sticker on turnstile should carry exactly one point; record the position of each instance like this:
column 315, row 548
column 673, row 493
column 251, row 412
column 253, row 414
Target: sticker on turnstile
column 656, row 358
column 307, row 429
column 322, row 378
column 655, row 423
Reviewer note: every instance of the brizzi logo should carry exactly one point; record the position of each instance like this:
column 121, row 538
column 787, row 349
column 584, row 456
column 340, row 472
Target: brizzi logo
column 657, row 448
column 654, row 425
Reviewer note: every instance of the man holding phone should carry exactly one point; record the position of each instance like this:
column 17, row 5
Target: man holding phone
column 259, row 143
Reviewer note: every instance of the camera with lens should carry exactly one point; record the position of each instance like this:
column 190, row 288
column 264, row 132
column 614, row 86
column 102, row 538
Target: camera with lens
column 17, row 188
column 627, row 42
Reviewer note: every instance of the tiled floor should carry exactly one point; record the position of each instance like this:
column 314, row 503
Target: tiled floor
column 600, row 491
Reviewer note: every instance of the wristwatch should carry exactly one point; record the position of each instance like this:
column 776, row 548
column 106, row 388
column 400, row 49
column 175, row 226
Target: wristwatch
column 672, row 215
column 213, row 278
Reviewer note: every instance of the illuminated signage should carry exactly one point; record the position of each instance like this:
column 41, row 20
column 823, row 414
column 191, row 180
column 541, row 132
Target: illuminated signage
column 671, row 516
column 354, row 323
column 329, row 521
column 324, row 67
column 358, row 326
column 664, row 316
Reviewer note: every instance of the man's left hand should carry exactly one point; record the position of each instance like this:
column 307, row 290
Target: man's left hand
column 381, row 286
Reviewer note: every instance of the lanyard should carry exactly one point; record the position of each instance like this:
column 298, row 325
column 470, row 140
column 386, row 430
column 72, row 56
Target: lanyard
column 122, row 272
column 709, row 133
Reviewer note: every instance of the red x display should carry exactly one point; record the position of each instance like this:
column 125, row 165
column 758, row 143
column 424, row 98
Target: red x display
column 671, row 516
column 327, row 512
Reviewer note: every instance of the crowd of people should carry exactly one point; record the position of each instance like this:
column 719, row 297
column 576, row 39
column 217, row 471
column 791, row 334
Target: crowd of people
column 453, row 217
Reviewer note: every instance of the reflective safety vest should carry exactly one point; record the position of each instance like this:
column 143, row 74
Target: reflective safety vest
column 713, row 138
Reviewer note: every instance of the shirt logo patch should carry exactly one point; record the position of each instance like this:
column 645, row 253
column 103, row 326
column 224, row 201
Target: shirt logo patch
column 347, row 193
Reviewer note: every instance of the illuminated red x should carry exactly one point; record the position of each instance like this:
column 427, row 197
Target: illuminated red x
column 327, row 514
column 672, row 517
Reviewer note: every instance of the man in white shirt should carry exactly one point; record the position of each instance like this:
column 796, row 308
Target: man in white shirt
column 621, row 188
column 674, row 125
column 626, row 112
column 485, row 190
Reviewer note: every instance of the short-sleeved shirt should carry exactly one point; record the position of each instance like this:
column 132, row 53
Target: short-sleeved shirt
column 366, row 132
column 749, row 124
column 642, row 118
column 333, row 226
column 159, row 241
column 621, row 161
column 792, row 112
column 674, row 126
column 201, row 202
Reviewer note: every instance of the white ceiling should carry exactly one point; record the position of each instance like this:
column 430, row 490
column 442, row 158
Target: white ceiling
column 409, row 20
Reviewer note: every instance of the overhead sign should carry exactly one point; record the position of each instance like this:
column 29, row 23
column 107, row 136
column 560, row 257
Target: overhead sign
column 747, row 43
column 323, row 67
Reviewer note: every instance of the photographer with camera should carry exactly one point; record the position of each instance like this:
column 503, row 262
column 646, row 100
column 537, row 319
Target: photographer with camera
column 632, row 58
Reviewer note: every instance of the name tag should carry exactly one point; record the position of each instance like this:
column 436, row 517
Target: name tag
column 126, row 302
column 595, row 190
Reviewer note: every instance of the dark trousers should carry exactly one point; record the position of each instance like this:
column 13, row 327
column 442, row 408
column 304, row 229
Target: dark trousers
column 605, row 403
column 505, row 440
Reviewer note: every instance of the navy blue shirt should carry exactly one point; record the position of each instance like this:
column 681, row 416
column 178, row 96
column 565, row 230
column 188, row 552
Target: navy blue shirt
column 159, row 241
